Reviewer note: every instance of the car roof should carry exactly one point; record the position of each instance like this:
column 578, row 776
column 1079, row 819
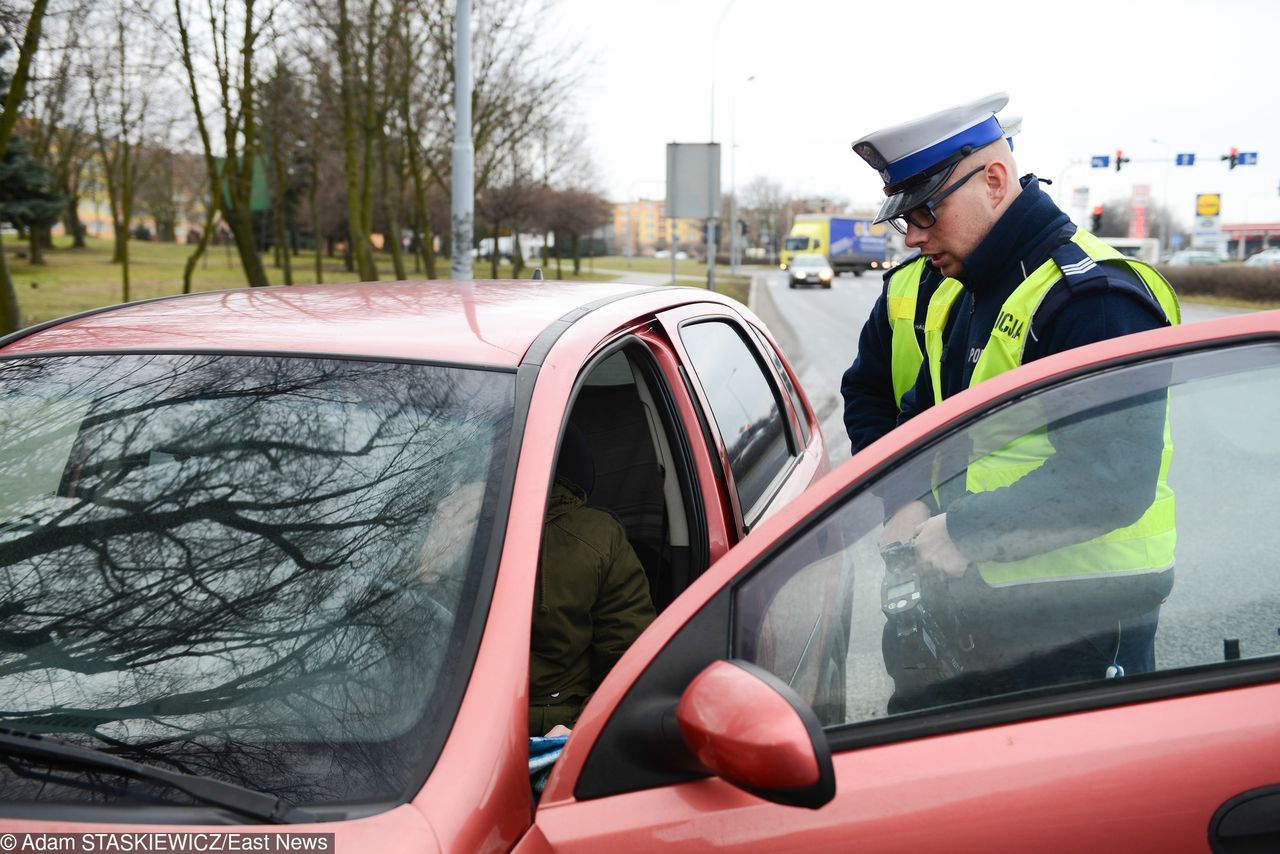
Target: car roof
column 487, row 322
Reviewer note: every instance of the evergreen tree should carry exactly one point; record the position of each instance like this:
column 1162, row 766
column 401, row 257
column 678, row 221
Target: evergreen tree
column 25, row 199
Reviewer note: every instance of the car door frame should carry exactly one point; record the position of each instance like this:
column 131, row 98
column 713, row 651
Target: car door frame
column 806, row 458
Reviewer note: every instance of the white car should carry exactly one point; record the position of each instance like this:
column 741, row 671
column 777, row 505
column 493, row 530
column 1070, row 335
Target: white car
column 1193, row 258
column 811, row 268
column 1268, row 259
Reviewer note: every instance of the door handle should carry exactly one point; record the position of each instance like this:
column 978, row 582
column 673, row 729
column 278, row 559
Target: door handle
column 1249, row 822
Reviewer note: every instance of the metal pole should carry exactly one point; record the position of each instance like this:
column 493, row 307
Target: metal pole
column 463, row 201
column 733, row 178
column 672, row 242
column 1164, row 214
column 734, row 249
column 711, row 251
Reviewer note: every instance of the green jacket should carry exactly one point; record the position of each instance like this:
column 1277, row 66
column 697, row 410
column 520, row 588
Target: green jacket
column 592, row 600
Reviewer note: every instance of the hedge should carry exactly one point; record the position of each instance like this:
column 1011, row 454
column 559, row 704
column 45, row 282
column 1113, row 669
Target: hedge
column 1229, row 281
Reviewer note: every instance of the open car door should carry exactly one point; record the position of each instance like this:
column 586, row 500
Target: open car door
column 719, row 728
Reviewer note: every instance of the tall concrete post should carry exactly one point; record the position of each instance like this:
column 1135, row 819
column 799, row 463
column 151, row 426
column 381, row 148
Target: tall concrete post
column 464, row 189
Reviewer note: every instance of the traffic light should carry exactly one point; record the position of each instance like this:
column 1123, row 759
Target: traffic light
column 1120, row 159
column 1233, row 157
column 1097, row 219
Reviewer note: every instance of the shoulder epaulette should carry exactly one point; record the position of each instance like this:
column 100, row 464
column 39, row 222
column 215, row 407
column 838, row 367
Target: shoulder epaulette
column 1082, row 275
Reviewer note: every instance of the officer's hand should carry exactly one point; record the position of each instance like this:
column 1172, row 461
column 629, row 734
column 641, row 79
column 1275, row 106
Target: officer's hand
column 935, row 548
column 902, row 525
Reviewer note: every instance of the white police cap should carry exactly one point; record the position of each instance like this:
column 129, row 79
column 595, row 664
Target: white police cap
column 1012, row 126
column 915, row 158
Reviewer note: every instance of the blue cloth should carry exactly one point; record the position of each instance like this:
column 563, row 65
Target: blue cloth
column 870, row 410
column 543, row 753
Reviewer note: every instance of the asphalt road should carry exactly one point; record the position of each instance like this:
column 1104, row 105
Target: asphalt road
column 1225, row 452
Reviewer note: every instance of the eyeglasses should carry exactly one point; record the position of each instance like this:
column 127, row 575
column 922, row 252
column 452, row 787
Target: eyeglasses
column 922, row 215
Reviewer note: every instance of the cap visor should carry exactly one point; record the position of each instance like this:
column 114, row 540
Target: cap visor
column 914, row 196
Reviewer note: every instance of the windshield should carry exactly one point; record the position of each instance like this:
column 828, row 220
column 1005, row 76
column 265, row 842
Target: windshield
column 255, row 568
column 796, row 244
column 814, row 261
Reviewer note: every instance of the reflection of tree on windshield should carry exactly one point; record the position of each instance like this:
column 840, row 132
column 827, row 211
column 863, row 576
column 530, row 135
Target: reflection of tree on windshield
column 220, row 561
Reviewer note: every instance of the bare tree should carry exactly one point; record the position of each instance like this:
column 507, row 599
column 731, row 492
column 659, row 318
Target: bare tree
column 764, row 206
column 521, row 93
column 232, row 64
column 501, row 208
column 58, row 126
column 285, row 113
column 129, row 127
column 582, row 212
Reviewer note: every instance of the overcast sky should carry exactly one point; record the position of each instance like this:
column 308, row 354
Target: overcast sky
column 1088, row 77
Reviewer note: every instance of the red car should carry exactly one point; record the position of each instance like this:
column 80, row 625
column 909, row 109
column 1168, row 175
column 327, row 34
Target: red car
column 281, row 542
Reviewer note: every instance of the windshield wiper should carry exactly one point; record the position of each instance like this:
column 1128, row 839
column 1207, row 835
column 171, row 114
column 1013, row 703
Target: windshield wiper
column 238, row 799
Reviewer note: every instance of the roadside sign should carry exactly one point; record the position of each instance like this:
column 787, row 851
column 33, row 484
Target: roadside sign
column 1186, row 160
column 693, row 180
column 1208, row 204
column 1207, row 231
column 1247, row 158
column 1100, row 161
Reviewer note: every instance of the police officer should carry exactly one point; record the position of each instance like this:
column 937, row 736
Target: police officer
column 1022, row 282
column 891, row 350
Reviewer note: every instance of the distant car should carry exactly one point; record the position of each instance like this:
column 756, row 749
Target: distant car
column 1268, row 259
column 1194, row 258
column 811, row 268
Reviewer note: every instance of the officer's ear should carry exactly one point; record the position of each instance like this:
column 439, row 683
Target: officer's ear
column 999, row 181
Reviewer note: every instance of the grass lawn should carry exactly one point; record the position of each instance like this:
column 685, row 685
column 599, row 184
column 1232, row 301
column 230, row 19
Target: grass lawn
column 691, row 272
column 1231, row 302
column 74, row 280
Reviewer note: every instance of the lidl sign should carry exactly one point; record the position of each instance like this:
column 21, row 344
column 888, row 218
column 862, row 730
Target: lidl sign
column 1208, row 204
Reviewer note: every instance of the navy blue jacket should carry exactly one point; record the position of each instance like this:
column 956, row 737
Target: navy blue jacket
column 1114, row 461
column 870, row 408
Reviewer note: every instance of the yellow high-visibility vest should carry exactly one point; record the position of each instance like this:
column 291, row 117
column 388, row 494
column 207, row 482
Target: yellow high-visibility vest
column 1147, row 545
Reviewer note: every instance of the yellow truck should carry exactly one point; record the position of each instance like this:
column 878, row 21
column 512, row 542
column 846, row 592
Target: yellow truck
column 849, row 243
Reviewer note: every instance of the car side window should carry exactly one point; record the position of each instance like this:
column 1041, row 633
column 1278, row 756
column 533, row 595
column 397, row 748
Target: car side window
column 786, row 382
column 744, row 404
column 1117, row 526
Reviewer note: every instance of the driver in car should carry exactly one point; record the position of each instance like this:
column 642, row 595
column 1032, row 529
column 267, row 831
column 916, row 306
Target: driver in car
column 591, row 601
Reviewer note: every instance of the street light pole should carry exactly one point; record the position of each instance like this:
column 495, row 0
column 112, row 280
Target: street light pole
column 714, row 215
column 463, row 201
column 733, row 176
column 1164, row 214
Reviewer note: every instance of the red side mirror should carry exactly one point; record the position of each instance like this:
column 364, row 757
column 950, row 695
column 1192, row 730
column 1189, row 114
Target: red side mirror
column 749, row 728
